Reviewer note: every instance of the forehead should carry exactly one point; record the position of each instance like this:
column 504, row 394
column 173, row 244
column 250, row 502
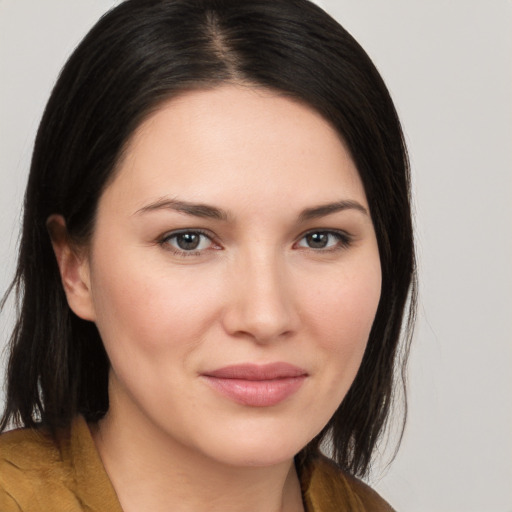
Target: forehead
column 208, row 144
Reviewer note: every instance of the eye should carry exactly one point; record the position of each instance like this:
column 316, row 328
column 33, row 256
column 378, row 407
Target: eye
column 325, row 240
column 188, row 241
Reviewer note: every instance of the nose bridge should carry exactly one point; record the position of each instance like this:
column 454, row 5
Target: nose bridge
column 262, row 304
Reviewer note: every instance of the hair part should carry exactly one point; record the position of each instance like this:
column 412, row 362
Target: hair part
column 137, row 56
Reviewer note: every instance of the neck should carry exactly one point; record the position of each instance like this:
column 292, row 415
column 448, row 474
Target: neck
column 150, row 471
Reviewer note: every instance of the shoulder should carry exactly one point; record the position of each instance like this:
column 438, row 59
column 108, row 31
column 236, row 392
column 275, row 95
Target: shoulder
column 328, row 488
column 22, row 447
column 34, row 472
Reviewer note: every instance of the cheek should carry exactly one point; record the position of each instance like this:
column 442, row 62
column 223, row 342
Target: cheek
column 344, row 306
column 341, row 312
column 338, row 313
column 141, row 306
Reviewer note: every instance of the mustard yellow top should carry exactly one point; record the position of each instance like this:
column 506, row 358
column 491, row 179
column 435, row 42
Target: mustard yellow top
column 41, row 474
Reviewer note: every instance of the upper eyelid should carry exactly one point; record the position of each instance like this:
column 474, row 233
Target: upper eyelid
column 341, row 232
column 176, row 232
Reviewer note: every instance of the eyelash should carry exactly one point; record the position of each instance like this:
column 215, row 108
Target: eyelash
column 164, row 241
column 343, row 238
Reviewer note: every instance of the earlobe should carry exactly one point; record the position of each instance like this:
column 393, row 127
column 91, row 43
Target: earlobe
column 74, row 269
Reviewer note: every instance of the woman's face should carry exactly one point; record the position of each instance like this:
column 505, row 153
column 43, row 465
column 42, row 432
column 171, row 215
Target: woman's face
column 233, row 275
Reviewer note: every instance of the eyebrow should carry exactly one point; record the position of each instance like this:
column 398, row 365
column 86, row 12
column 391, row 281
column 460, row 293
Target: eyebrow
column 212, row 212
column 195, row 209
column 330, row 208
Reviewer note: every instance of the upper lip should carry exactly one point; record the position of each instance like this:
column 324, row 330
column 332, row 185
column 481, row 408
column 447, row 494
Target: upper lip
column 251, row 371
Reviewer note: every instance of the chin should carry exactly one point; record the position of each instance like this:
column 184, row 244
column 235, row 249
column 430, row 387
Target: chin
column 258, row 458
column 257, row 449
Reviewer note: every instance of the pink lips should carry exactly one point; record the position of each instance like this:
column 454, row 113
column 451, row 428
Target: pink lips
column 257, row 385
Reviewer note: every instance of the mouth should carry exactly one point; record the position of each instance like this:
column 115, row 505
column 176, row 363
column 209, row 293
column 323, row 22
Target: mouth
column 257, row 385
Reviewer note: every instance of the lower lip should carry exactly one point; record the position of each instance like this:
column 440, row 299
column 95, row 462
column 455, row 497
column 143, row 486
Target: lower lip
column 257, row 393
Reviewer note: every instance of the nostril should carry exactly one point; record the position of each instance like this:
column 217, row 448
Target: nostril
column 264, row 321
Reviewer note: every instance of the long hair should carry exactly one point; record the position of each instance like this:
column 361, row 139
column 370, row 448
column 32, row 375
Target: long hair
column 137, row 56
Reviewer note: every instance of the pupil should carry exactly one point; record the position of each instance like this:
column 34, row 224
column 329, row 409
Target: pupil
column 188, row 241
column 317, row 240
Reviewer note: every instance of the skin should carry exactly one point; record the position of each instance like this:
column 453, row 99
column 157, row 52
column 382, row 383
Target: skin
column 256, row 290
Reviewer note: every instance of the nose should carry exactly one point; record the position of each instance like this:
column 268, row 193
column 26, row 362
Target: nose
column 261, row 305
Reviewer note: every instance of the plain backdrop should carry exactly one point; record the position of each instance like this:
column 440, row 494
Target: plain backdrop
column 448, row 65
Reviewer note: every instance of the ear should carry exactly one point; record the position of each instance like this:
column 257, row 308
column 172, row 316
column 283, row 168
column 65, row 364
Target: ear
column 74, row 269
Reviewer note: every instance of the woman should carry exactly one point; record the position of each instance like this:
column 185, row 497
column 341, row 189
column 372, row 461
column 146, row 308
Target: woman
column 214, row 268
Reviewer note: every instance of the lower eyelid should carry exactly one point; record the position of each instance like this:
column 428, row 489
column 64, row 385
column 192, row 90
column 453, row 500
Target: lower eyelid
column 185, row 254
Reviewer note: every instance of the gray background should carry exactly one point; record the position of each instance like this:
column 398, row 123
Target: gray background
column 448, row 64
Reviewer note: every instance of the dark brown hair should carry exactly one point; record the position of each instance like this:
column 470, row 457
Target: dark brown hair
column 138, row 55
